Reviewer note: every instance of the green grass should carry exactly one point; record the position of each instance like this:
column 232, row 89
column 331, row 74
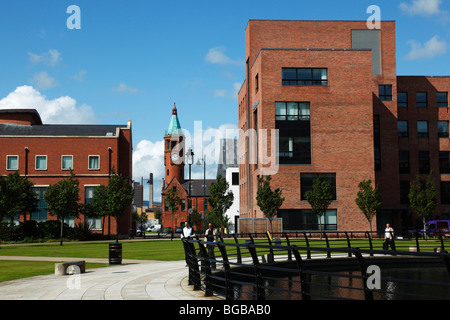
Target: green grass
column 164, row 250
column 12, row 269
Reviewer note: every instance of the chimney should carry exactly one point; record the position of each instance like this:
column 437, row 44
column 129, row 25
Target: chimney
column 150, row 199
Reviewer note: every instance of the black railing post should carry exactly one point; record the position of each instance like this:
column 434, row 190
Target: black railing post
column 251, row 238
column 417, row 242
column 442, row 243
column 348, row 244
column 288, row 243
column 226, row 265
column 308, row 252
column 370, row 243
column 367, row 292
column 238, row 249
column 328, row 245
column 303, row 280
column 258, row 279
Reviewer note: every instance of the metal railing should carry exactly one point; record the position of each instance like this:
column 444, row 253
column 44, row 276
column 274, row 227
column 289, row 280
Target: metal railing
column 314, row 266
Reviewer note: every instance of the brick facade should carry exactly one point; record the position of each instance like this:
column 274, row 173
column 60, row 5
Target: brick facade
column 110, row 145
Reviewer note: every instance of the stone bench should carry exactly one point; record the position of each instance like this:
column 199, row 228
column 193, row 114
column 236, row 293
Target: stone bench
column 62, row 268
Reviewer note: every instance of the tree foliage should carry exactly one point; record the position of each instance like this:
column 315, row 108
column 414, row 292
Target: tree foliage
column 62, row 200
column 268, row 200
column 320, row 198
column 172, row 201
column 422, row 198
column 368, row 200
column 220, row 200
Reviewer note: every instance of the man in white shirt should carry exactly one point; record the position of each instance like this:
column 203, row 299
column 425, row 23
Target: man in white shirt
column 388, row 238
column 186, row 233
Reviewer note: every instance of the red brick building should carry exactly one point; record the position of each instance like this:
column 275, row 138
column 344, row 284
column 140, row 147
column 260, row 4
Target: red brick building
column 330, row 88
column 45, row 154
column 193, row 193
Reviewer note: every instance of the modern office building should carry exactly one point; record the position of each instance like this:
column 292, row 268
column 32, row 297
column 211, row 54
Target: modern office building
column 331, row 90
column 45, row 154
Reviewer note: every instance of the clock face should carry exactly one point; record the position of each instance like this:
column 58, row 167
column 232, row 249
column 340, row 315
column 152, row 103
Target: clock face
column 174, row 157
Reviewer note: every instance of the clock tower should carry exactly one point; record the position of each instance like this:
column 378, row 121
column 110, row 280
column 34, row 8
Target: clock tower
column 174, row 141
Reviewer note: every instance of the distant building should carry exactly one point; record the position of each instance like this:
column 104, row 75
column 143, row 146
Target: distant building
column 193, row 193
column 228, row 168
column 45, row 154
column 138, row 200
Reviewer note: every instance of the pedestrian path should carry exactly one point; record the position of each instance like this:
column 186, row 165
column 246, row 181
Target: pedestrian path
column 132, row 280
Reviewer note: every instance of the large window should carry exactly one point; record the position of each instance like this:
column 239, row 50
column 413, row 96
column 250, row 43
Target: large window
column 442, row 129
column 67, row 162
column 403, row 157
column 402, row 99
column 442, row 99
column 292, row 111
column 304, row 77
column 402, row 128
column 93, row 222
column 307, row 179
column 421, row 99
column 422, row 129
column 445, row 192
column 41, row 211
column 295, row 150
column 94, row 162
column 404, row 192
column 41, row 162
column 305, row 219
column 385, row 92
column 424, row 162
column 12, row 162
column 444, row 162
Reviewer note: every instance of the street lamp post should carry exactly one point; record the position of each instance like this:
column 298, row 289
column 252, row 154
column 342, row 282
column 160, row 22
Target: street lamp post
column 204, row 187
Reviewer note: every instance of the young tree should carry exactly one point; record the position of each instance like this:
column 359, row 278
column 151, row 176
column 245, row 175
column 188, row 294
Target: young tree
column 368, row 200
column 172, row 201
column 62, row 200
column 422, row 199
column 268, row 200
column 119, row 196
column 220, row 200
column 18, row 196
column 320, row 198
column 98, row 204
column 195, row 218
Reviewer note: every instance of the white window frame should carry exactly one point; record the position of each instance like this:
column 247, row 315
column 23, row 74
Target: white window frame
column 12, row 169
column 62, row 162
column 35, row 163
column 89, row 162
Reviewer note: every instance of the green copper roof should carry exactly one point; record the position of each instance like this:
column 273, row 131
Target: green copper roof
column 174, row 126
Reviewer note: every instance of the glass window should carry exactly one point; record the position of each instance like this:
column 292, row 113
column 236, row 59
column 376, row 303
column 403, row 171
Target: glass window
column 294, row 150
column 444, row 162
column 422, row 129
column 445, row 192
column 41, row 162
column 307, row 179
column 402, row 128
column 404, row 191
column 402, row 99
column 442, row 129
column 292, row 111
column 94, row 162
column 41, row 214
column 442, row 99
column 280, row 110
column 12, row 162
column 235, row 178
column 424, row 162
column 304, row 77
column 403, row 161
column 421, row 99
column 67, row 162
column 385, row 92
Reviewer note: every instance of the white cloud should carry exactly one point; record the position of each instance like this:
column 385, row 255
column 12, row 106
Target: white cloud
column 217, row 56
column 421, row 7
column 80, row 76
column 431, row 48
column 63, row 110
column 43, row 81
column 123, row 88
column 50, row 58
column 222, row 93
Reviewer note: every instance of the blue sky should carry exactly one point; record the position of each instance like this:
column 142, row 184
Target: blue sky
column 134, row 59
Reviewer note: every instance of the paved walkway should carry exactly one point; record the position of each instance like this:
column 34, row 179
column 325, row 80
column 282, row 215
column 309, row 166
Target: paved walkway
column 132, row 280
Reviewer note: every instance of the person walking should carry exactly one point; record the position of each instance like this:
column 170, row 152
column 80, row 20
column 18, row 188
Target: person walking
column 186, row 233
column 388, row 238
